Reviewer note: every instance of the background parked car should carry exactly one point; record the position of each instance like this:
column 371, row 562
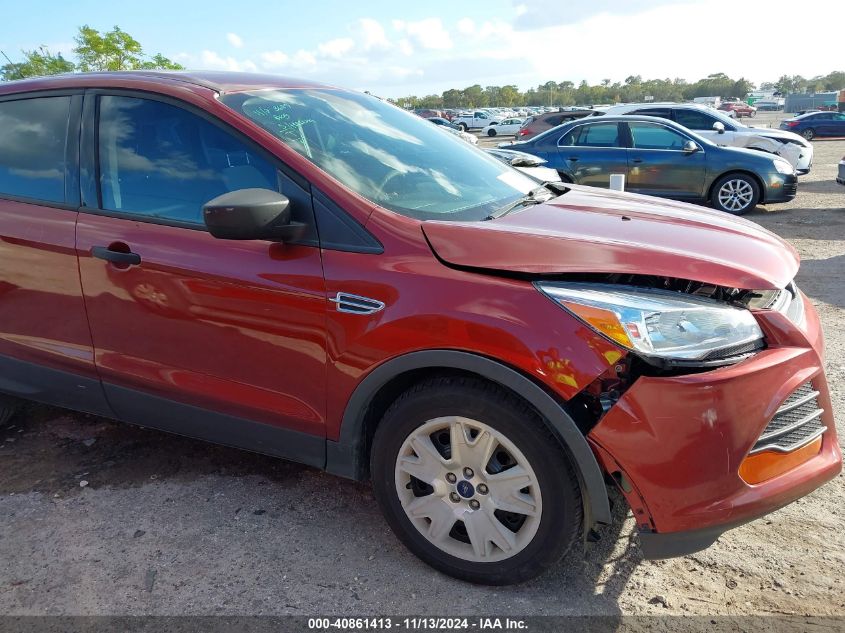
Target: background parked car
column 534, row 125
column 815, row 124
column 472, row 139
column 841, row 177
column 738, row 108
column 437, row 120
column 473, row 120
column 529, row 164
column 661, row 158
column 720, row 129
column 508, row 127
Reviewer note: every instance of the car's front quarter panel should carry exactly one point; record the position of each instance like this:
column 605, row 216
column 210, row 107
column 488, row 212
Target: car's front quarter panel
column 439, row 307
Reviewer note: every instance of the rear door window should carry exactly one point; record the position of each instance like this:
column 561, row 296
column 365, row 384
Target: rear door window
column 593, row 135
column 694, row 120
column 33, row 138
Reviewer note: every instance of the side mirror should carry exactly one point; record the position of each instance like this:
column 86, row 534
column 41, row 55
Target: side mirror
column 690, row 147
column 251, row 214
column 527, row 161
column 719, row 127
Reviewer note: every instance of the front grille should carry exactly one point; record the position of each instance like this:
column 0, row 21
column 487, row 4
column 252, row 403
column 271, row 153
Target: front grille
column 796, row 423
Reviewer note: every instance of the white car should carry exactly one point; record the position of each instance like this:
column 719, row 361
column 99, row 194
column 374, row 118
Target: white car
column 716, row 126
column 508, row 127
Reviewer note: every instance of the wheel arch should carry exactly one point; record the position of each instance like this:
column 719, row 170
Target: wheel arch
column 744, row 172
column 348, row 456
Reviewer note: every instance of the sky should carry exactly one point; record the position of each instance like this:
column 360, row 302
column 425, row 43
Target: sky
column 397, row 48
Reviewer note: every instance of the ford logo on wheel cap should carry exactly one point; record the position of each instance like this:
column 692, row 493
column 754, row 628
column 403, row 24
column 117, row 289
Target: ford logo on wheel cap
column 465, row 489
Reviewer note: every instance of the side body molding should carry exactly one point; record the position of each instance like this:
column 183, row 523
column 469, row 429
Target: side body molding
column 345, row 457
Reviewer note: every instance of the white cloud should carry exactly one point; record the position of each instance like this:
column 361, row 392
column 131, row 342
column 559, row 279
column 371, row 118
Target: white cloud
column 274, row 59
column 235, row 40
column 370, row 34
column 336, row 48
column 396, row 57
column 466, row 26
column 213, row 61
column 428, row 33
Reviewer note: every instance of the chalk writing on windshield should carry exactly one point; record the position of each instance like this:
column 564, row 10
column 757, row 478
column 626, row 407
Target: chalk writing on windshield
column 277, row 117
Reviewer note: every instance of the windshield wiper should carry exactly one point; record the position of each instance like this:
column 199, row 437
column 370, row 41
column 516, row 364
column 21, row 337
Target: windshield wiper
column 529, row 198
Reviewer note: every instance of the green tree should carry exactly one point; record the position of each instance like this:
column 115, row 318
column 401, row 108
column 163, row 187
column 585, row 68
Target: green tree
column 36, row 63
column 114, row 50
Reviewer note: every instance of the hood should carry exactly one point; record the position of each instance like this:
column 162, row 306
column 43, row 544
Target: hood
column 771, row 132
column 589, row 230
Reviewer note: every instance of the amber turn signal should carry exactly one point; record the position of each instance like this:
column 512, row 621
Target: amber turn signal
column 760, row 467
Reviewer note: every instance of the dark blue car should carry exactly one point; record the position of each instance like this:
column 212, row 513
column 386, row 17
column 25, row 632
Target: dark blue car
column 661, row 158
column 815, row 124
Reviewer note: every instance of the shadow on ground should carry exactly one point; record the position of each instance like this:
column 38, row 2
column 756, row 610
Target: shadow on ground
column 51, row 450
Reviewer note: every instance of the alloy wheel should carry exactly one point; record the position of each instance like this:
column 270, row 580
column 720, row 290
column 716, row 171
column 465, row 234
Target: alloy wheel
column 468, row 489
column 736, row 195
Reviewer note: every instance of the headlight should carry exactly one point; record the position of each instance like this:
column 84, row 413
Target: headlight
column 784, row 166
column 660, row 323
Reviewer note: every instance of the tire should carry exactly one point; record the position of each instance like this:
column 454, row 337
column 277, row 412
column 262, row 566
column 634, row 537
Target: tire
column 8, row 407
column 491, row 132
column 752, row 114
column 463, row 127
column 809, row 134
column 736, row 194
column 417, row 434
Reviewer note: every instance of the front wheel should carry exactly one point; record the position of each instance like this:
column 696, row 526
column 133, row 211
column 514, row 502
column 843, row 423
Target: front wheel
column 735, row 194
column 471, row 480
column 809, row 134
column 463, row 127
column 491, row 132
column 752, row 114
column 8, row 407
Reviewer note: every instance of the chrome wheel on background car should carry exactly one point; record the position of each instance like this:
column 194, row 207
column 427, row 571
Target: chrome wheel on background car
column 472, row 481
column 809, row 134
column 736, row 194
column 468, row 489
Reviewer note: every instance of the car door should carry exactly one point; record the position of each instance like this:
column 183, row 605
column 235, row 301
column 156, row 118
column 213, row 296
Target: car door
column 835, row 124
column 658, row 164
column 590, row 152
column 45, row 343
column 219, row 339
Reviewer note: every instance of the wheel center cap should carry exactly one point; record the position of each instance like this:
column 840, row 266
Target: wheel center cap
column 465, row 489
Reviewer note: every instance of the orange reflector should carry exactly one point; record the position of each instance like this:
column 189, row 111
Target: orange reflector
column 762, row 466
column 603, row 320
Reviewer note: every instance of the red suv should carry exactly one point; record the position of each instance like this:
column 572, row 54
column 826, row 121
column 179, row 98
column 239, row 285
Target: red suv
column 315, row 274
column 739, row 109
column 534, row 125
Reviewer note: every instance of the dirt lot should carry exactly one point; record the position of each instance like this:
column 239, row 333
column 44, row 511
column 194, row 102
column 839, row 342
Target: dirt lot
column 166, row 525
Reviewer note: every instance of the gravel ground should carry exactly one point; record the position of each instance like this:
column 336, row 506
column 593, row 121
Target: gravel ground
column 98, row 517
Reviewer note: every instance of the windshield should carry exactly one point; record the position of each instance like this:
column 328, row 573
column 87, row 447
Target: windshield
column 391, row 157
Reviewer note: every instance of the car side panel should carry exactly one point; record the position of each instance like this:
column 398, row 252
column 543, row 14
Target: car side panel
column 233, row 326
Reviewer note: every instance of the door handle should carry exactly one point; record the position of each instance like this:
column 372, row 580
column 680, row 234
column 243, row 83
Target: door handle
column 116, row 257
column 636, row 160
column 574, row 159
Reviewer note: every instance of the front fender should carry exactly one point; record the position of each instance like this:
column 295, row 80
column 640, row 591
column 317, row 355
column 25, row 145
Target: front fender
column 346, row 456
